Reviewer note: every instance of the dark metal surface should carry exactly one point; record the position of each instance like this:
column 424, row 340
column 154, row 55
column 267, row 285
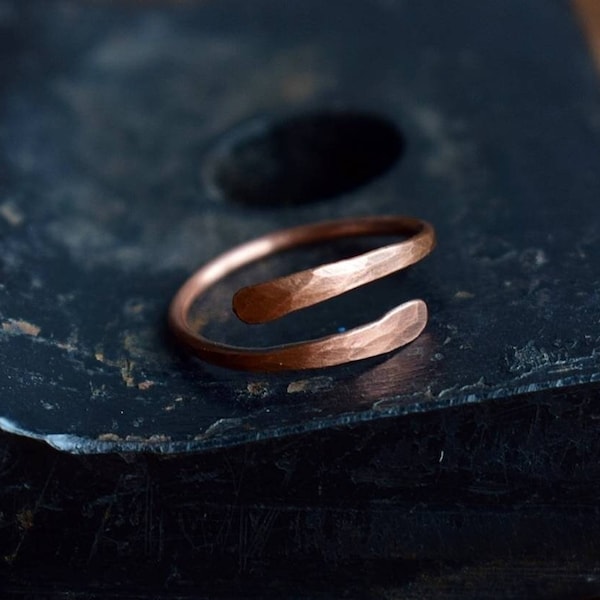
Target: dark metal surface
column 489, row 500
column 109, row 117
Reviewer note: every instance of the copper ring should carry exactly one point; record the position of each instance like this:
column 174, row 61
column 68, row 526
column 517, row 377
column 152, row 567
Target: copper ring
column 267, row 301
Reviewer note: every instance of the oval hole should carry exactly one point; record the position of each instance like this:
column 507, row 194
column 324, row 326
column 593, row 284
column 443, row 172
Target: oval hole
column 302, row 159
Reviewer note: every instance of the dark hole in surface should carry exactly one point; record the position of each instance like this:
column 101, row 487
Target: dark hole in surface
column 303, row 158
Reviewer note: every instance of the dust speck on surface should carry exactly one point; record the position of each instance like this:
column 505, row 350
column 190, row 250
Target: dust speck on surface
column 315, row 384
column 25, row 518
column 463, row 295
column 20, row 327
column 108, row 437
column 127, row 374
column 173, row 405
column 258, row 388
column 68, row 346
column 11, row 214
column 159, row 438
column 533, row 258
column 146, row 384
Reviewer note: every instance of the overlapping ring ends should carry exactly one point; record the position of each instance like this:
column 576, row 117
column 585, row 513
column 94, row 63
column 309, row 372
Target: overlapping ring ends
column 273, row 299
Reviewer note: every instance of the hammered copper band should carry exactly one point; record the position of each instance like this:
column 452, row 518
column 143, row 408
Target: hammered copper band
column 273, row 299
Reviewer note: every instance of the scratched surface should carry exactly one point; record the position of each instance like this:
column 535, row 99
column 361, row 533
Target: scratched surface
column 490, row 500
column 112, row 119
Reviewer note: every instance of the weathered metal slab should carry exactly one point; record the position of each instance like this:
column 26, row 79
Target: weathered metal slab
column 111, row 119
